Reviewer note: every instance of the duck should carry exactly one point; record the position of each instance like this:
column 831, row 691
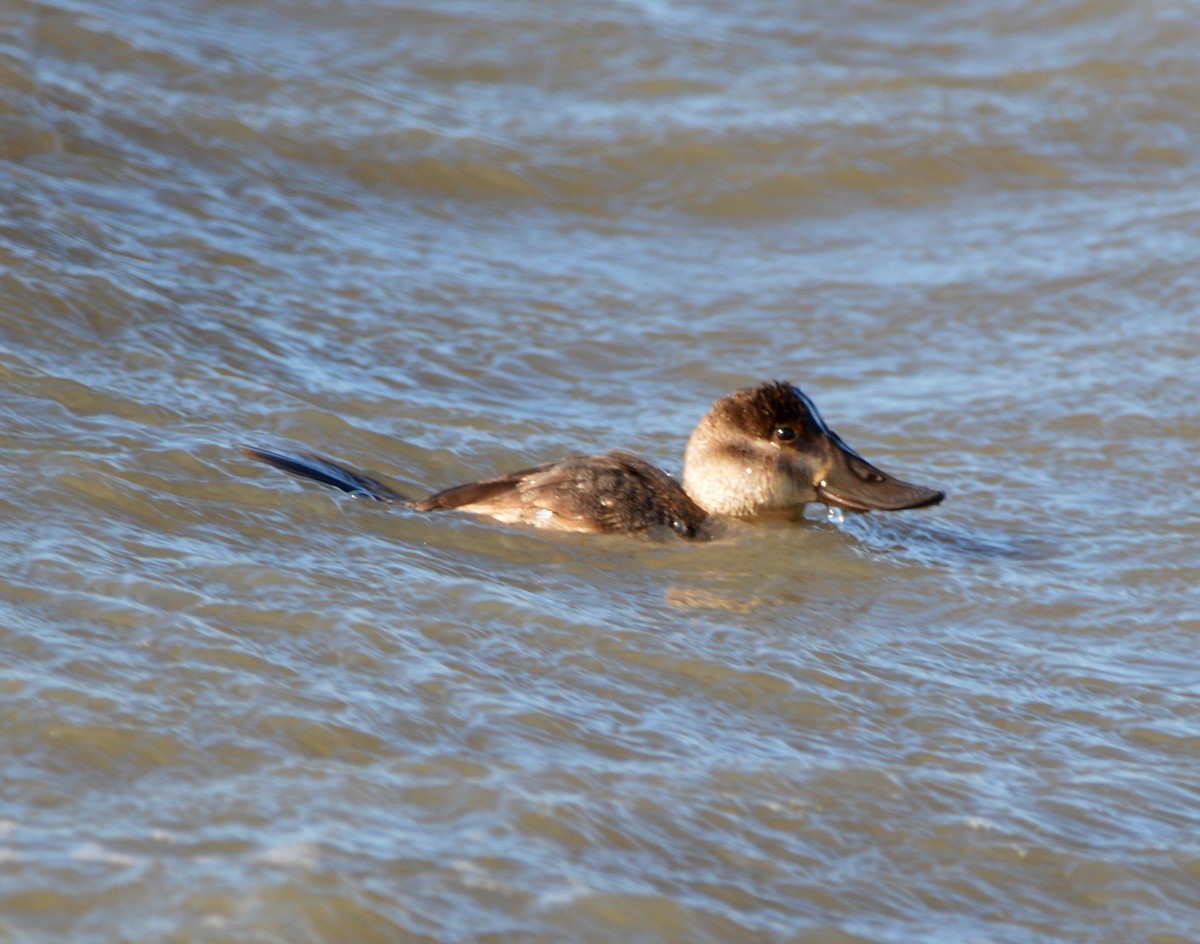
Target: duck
column 758, row 452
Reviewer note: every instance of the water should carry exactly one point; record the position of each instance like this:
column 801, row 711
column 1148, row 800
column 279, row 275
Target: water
column 444, row 241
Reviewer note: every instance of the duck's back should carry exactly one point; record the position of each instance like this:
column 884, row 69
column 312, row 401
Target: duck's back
column 612, row 493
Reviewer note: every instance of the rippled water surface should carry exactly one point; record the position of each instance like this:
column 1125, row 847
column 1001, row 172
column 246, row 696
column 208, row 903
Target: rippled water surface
column 446, row 240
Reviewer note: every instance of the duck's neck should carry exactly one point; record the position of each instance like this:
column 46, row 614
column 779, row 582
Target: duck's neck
column 724, row 482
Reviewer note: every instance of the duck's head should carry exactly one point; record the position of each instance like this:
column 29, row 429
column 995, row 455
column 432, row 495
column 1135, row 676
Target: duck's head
column 766, row 449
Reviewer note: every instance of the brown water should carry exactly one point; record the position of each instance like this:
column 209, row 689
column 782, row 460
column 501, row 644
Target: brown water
column 446, row 240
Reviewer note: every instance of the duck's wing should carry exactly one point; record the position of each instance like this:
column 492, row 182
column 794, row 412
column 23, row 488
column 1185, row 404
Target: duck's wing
column 475, row 496
column 309, row 466
column 615, row 492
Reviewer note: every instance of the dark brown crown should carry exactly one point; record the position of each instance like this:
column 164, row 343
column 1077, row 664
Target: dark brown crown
column 760, row 410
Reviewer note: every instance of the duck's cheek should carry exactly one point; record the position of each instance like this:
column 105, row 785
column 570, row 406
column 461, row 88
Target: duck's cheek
column 807, row 467
column 794, row 482
column 804, row 494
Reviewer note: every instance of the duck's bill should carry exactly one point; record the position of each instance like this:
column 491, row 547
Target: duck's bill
column 856, row 485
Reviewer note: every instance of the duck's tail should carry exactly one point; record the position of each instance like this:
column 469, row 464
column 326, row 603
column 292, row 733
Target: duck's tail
column 308, row 466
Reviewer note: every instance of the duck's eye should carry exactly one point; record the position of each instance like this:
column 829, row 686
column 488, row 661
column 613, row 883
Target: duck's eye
column 784, row 433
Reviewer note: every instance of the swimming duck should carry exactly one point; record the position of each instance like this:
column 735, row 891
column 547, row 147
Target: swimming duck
column 758, row 451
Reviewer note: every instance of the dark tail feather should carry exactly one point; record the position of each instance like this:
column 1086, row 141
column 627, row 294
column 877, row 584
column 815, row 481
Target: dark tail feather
column 308, row 466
